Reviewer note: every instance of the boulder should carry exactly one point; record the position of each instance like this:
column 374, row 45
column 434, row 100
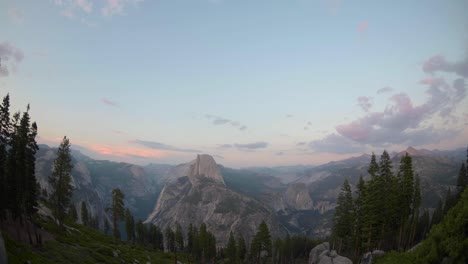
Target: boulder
column 3, row 253
column 314, row 255
column 322, row 254
column 366, row 258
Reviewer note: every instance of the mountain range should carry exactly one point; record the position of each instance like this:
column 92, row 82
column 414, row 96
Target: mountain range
column 291, row 199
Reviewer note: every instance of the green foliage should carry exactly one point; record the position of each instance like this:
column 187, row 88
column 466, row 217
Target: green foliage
column 84, row 245
column 448, row 239
column 241, row 248
column 179, row 238
column 60, row 181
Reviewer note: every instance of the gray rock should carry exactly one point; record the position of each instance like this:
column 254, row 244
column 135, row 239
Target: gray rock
column 326, row 260
column 367, row 258
column 333, row 254
column 378, row 253
column 115, row 253
column 341, row 260
column 317, row 251
column 3, row 253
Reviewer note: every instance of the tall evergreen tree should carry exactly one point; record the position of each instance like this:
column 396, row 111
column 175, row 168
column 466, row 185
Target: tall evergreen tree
column 343, row 220
column 179, row 238
column 5, row 128
column 117, row 210
column 405, row 184
column 241, row 248
column 60, row 181
column 170, row 239
column 261, row 244
column 129, row 226
column 106, row 226
column 231, row 249
column 359, row 215
column 72, row 213
column 84, row 214
column 462, row 180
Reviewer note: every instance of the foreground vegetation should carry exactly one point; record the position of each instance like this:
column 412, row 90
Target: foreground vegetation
column 80, row 244
column 447, row 240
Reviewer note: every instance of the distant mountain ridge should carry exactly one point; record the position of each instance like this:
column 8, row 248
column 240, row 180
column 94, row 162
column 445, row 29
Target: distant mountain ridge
column 295, row 199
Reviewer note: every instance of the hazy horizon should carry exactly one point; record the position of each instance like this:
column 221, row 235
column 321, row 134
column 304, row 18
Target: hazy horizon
column 253, row 83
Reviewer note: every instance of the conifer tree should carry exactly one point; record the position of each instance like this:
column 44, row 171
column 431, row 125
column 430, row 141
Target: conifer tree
column 241, row 248
column 359, row 215
column 343, row 220
column 72, row 213
column 231, row 249
column 261, row 243
column 117, row 210
column 84, row 214
column 129, row 226
column 170, row 239
column 462, row 178
column 60, row 181
column 106, row 226
column 179, row 238
column 5, row 128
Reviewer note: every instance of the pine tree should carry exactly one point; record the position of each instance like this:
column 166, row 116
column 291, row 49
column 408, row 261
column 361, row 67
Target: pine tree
column 372, row 206
column 84, row 214
column 170, row 239
column 462, row 178
column 179, row 238
column 438, row 213
column 5, row 127
column 140, row 232
column 343, row 220
column 359, row 215
column 72, row 213
column 60, row 181
column 405, row 191
column 106, row 226
column 129, row 226
column 231, row 249
column 241, row 248
column 261, row 244
column 118, row 211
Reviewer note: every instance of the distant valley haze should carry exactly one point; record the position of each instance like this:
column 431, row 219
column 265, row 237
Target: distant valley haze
column 251, row 83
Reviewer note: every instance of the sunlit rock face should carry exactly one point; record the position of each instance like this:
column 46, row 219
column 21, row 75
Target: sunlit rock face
column 196, row 193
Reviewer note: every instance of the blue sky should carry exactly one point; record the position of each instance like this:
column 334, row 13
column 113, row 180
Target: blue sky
column 255, row 83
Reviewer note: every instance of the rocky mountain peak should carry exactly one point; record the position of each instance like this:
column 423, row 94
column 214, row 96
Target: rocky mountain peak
column 204, row 166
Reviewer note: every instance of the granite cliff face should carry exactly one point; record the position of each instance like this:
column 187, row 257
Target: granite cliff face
column 196, row 193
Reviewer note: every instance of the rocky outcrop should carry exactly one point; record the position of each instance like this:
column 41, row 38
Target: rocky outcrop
column 321, row 254
column 367, row 257
column 195, row 193
column 3, row 253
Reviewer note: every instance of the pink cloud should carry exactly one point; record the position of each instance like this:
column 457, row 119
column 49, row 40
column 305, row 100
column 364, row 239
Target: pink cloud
column 121, row 151
column 84, row 5
column 353, row 130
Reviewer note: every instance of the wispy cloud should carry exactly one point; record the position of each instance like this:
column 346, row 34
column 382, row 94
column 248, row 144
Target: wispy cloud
column 107, row 8
column 10, row 58
column 440, row 64
column 252, row 146
column 161, row 146
column 109, row 102
column 362, row 27
column 245, row 147
column 334, row 143
column 120, row 151
column 365, row 102
column 16, row 15
column 217, row 120
column 385, row 90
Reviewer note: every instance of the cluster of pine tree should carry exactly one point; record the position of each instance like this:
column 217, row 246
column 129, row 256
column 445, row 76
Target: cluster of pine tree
column 383, row 213
column 19, row 190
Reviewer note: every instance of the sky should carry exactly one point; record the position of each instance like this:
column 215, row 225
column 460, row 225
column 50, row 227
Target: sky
column 251, row 82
